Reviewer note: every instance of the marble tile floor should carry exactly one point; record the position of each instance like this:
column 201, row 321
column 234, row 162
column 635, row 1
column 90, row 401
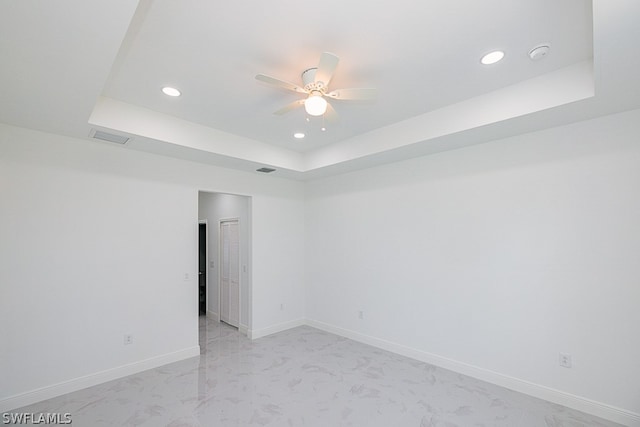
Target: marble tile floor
column 303, row 377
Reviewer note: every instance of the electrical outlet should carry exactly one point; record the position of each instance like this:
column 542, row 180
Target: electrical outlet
column 360, row 314
column 565, row 360
column 282, row 307
column 128, row 339
column 186, row 276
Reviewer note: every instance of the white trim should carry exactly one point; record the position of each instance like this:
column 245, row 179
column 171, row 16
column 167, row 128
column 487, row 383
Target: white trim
column 589, row 406
column 90, row 380
column 243, row 329
column 579, row 403
column 248, row 227
column 213, row 315
column 259, row 333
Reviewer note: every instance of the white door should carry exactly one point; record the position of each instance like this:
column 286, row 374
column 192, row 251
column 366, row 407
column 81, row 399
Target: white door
column 230, row 273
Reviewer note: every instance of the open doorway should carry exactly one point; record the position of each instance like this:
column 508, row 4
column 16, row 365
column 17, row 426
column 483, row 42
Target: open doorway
column 202, row 268
column 216, row 209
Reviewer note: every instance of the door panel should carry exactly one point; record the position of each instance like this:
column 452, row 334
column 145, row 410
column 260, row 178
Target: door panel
column 230, row 273
column 234, row 275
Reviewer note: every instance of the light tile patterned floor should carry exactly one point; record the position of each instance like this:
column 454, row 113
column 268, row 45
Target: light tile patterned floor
column 303, row 377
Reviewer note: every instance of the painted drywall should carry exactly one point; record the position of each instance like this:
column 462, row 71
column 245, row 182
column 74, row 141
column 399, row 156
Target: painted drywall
column 99, row 241
column 498, row 256
column 214, row 207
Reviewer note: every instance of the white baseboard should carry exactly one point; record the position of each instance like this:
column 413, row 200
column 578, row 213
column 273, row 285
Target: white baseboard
column 259, row 333
column 244, row 330
column 598, row 409
column 588, row 406
column 213, row 315
column 80, row 383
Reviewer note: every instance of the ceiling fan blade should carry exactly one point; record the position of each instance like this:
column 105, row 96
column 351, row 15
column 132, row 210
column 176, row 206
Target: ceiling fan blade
column 290, row 107
column 326, row 68
column 354, row 94
column 280, row 83
column 330, row 115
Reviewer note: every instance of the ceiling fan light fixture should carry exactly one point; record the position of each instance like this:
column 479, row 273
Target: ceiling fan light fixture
column 315, row 104
column 316, row 81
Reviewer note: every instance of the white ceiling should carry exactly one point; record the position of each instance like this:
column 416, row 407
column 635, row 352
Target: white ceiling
column 72, row 65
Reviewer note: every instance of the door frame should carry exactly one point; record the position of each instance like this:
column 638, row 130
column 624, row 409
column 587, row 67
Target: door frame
column 220, row 253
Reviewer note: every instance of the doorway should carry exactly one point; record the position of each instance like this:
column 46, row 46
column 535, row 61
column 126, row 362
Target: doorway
column 214, row 209
column 230, row 272
column 202, row 268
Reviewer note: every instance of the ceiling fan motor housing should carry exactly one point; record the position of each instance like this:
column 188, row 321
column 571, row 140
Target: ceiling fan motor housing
column 310, row 85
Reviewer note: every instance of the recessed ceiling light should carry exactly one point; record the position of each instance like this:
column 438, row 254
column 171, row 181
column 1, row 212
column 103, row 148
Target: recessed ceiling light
column 170, row 91
column 298, row 135
column 492, row 57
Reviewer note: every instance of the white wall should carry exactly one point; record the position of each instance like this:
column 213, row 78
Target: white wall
column 95, row 242
column 215, row 207
column 497, row 256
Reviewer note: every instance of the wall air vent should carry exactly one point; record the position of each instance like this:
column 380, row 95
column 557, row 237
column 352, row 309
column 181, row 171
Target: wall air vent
column 109, row 137
column 265, row 170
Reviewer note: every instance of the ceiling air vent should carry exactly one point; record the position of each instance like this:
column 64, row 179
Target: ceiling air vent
column 265, row 170
column 109, row 137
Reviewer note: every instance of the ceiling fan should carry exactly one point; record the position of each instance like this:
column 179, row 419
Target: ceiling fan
column 316, row 86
